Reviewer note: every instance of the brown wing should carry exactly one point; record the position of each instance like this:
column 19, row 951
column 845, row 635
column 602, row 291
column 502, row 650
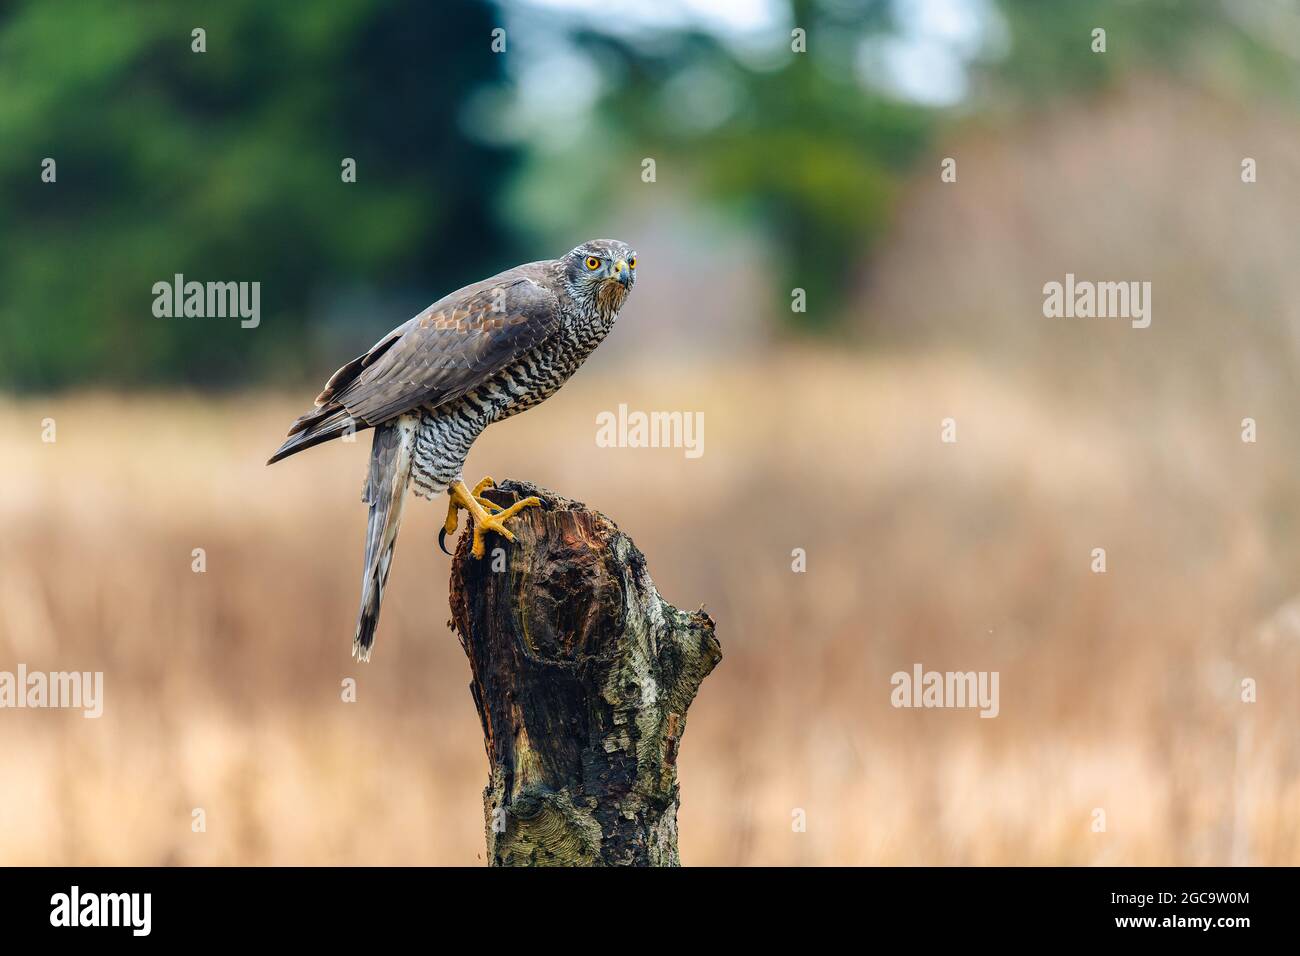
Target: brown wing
column 453, row 346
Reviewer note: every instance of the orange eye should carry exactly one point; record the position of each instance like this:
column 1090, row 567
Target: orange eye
column 631, row 263
column 593, row 263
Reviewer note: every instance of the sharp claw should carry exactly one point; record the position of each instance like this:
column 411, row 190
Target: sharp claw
column 442, row 540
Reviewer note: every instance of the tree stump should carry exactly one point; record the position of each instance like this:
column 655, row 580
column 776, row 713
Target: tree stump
column 582, row 675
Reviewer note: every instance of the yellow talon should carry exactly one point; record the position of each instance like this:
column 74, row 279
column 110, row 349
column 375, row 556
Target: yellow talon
column 485, row 520
column 496, row 523
column 449, row 526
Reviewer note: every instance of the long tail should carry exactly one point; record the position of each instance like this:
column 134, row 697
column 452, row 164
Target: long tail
column 390, row 470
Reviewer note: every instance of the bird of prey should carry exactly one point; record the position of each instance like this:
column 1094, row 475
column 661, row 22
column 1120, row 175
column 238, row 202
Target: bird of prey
column 429, row 388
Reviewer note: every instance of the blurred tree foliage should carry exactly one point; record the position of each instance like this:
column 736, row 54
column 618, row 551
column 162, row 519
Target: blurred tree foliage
column 1221, row 44
column 798, row 147
column 814, row 156
column 225, row 166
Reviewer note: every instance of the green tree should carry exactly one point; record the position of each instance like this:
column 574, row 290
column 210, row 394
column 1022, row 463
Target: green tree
column 802, row 149
column 224, row 166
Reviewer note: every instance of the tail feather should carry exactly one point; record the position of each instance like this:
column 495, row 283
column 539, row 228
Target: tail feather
column 385, row 493
column 319, row 425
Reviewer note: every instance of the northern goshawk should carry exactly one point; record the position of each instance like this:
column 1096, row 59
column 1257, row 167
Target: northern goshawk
column 429, row 388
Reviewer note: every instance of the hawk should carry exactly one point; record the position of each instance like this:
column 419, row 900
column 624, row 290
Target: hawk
column 429, row 388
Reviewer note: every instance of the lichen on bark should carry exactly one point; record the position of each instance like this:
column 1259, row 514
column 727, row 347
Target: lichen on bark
column 582, row 676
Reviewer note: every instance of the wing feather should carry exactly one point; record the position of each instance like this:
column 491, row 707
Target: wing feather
column 450, row 348
column 455, row 345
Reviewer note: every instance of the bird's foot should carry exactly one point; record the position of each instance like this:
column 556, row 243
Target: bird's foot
column 457, row 494
column 485, row 520
column 496, row 522
column 454, row 506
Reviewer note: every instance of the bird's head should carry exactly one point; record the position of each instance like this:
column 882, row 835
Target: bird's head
column 601, row 271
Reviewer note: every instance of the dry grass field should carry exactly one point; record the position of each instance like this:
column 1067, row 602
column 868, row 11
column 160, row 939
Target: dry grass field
column 1119, row 691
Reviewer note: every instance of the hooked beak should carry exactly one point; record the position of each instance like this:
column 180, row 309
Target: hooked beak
column 622, row 273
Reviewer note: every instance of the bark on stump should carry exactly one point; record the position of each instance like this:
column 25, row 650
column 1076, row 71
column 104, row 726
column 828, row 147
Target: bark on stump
column 582, row 675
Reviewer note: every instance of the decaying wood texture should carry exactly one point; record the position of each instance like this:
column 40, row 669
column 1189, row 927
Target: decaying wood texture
column 582, row 676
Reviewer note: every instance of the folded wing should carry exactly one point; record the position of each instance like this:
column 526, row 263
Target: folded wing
column 454, row 346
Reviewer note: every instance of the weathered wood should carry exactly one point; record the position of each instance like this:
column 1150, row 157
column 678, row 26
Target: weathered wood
column 582, row 675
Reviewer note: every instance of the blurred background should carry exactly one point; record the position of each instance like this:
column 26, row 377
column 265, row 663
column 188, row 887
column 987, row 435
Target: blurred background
column 775, row 170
